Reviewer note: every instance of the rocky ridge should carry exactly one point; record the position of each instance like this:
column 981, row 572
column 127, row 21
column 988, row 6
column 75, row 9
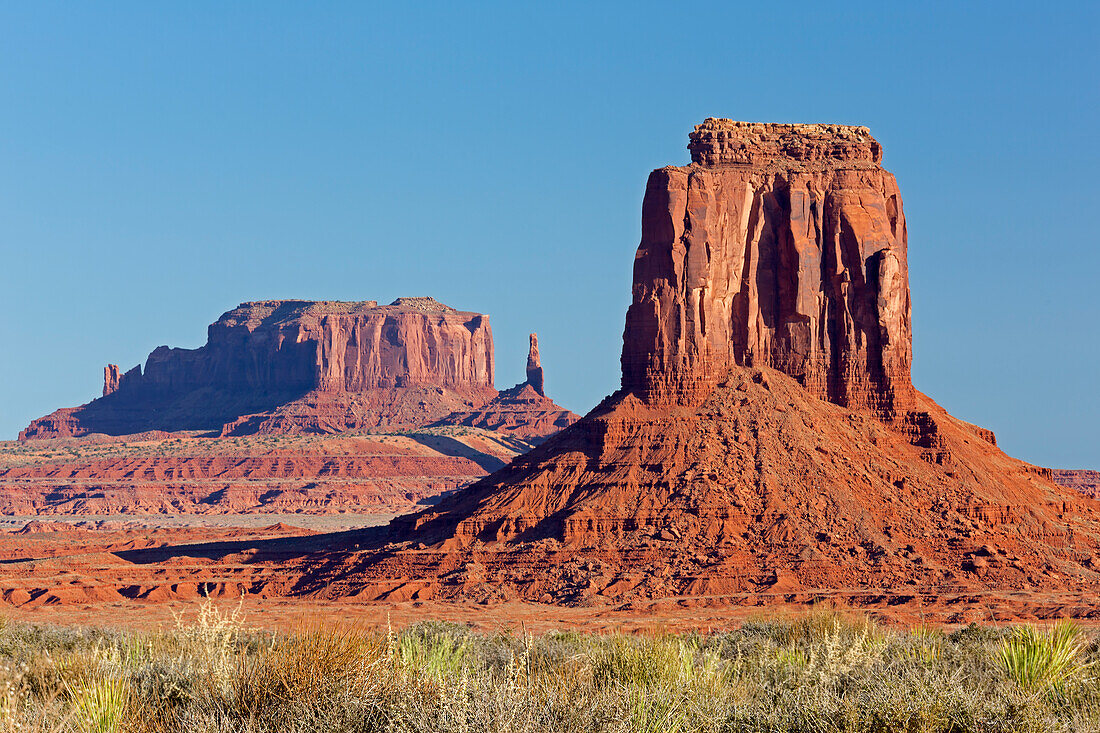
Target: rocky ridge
column 301, row 474
column 1086, row 482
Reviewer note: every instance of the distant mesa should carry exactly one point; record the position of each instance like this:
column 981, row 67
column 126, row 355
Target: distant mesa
column 1086, row 482
column 767, row 441
column 291, row 366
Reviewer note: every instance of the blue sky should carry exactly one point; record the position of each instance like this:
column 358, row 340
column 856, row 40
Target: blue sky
column 159, row 165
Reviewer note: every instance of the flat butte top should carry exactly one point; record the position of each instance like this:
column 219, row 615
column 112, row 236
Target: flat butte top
column 282, row 311
column 718, row 142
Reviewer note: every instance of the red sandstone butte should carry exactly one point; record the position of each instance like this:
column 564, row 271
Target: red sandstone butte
column 767, row 442
column 782, row 246
column 291, row 365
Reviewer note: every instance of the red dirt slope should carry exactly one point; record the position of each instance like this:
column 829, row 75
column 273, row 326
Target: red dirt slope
column 761, row 489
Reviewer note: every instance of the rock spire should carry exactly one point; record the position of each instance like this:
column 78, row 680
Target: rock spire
column 534, row 367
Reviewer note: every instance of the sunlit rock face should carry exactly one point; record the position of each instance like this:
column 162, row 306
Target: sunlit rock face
column 781, row 245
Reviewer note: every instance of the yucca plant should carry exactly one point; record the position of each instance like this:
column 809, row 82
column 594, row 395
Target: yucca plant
column 100, row 706
column 1044, row 661
column 926, row 645
column 437, row 656
column 792, row 657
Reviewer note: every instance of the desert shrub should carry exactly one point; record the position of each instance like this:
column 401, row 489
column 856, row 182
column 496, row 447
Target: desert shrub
column 13, row 693
column 312, row 665
column 661, row 661
column 100, row 706
column 1047, row 661
column 820, row 622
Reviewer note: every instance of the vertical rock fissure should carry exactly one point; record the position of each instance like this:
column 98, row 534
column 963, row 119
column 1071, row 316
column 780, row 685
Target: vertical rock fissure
column 791, row 285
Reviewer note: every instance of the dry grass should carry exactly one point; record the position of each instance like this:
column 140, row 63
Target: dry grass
column 819, row 672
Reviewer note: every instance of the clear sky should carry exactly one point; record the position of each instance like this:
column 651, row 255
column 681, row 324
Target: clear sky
column 161, row 163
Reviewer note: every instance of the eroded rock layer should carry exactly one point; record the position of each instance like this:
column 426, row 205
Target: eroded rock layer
column 523, row 411
column 302, row 474
column 759, row 491
column 520, row 411
column 1086, row 482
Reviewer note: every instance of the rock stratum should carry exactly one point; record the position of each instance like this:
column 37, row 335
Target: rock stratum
column 1086, row 482
column 184, row 474
column 767, row 442
column 291, row 366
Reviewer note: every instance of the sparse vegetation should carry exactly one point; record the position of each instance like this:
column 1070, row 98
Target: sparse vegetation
column 823, row 671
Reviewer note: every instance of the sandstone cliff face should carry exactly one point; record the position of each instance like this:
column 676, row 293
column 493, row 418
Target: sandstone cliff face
column 780, row 246
column 111, row 377
column 261, row 355
column 281, row 346
column 291, row 366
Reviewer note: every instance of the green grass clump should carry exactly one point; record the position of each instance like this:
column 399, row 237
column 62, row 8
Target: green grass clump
column 435, row 653
column 825, row 672
column 1041, row 661
column 101, row 706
